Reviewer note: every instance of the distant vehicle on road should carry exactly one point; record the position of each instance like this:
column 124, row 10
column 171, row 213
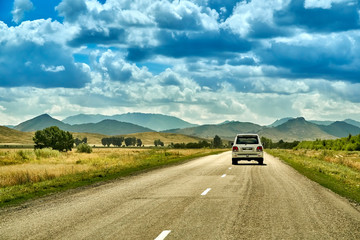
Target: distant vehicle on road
column 247, row 147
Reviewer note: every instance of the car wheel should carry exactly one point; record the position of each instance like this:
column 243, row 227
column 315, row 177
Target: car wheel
column 234, row 162
column 261, row 162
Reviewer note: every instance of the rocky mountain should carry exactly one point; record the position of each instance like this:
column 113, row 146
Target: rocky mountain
column 158, row 122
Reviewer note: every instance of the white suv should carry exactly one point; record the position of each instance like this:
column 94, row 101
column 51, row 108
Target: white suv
column 247, row 147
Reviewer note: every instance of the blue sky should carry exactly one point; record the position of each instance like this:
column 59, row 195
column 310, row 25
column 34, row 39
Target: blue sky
column 205, row 61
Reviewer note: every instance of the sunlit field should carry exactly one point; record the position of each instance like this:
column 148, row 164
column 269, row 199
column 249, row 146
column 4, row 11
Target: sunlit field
column 40, row 171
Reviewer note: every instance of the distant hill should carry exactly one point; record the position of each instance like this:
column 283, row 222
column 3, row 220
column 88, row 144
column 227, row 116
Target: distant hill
column 41, row 122
column 10, row 136
column 157, row 122
column 296, row 129
column 110, row 127
column 226, row 130
column 352, row 122
column 280, row 121
column 106, row 127
column 325, row 123
column 341, row 129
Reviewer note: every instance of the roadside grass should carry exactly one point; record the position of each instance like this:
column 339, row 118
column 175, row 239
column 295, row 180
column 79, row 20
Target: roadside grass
column 27, row 174
column 336, row 170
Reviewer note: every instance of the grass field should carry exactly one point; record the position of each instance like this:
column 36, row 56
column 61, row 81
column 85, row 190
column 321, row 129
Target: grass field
column 336, row 170
column 26, row 174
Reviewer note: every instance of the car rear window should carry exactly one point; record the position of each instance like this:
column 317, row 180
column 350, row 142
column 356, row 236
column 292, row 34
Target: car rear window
column 247, row 140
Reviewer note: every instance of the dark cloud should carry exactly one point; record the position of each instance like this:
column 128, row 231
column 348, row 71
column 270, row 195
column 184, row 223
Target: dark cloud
column 43, row 66
column 260, row 29
column 242, row 61
column 98, row 36
column 72, row 9
column 220, row 44
column 340, row 17
column 317, row 60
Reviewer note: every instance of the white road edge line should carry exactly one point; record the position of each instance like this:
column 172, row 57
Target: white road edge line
column 224, row 175
column 163, row 235
column 205, row 192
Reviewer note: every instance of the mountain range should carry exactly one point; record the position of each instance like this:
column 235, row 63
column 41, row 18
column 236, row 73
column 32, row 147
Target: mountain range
column 291, row 129
column 157, row 122
column 287, row 129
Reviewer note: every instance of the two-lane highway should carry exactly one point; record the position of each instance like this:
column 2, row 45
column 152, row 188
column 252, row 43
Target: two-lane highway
column 207, row 198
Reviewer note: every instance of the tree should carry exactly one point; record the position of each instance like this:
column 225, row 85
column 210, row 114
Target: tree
column 158, row 142
column 217, row 142
column 53, row 137
column 130, row 141
column 138, row 142
column 77, row 141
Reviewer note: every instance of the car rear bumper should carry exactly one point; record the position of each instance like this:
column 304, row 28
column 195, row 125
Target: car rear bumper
column 247, row 156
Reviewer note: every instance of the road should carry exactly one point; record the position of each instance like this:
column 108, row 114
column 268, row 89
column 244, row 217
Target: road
column 206, row 198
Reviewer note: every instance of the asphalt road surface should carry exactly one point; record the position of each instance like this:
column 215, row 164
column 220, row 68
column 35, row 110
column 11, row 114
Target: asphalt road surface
column 207, row 198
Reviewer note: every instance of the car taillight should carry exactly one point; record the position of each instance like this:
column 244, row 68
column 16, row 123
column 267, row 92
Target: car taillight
column 235, row 149
column 259, row 149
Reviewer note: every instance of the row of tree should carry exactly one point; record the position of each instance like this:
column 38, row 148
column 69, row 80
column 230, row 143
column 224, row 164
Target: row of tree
column 117, row 141
column 268, row 143
column 55, row 138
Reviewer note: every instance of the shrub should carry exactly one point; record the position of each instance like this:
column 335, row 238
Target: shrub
column 84, row 148
column 46, row 153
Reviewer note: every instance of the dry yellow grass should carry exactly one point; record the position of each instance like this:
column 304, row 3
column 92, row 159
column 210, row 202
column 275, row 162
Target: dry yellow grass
column 346, row 158
column 28, row 166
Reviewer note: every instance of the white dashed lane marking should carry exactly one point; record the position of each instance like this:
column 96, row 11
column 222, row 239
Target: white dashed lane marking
column 206, row 191
column 163, row 235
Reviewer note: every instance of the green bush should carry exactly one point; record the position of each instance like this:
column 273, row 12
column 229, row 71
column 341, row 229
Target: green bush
column 350, row 143
column 84, row 148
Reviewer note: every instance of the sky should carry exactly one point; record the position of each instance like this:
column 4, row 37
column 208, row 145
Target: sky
column 204, row 61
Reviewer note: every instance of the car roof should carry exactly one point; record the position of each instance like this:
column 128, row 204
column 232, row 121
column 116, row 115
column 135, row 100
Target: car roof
column 247, row 134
